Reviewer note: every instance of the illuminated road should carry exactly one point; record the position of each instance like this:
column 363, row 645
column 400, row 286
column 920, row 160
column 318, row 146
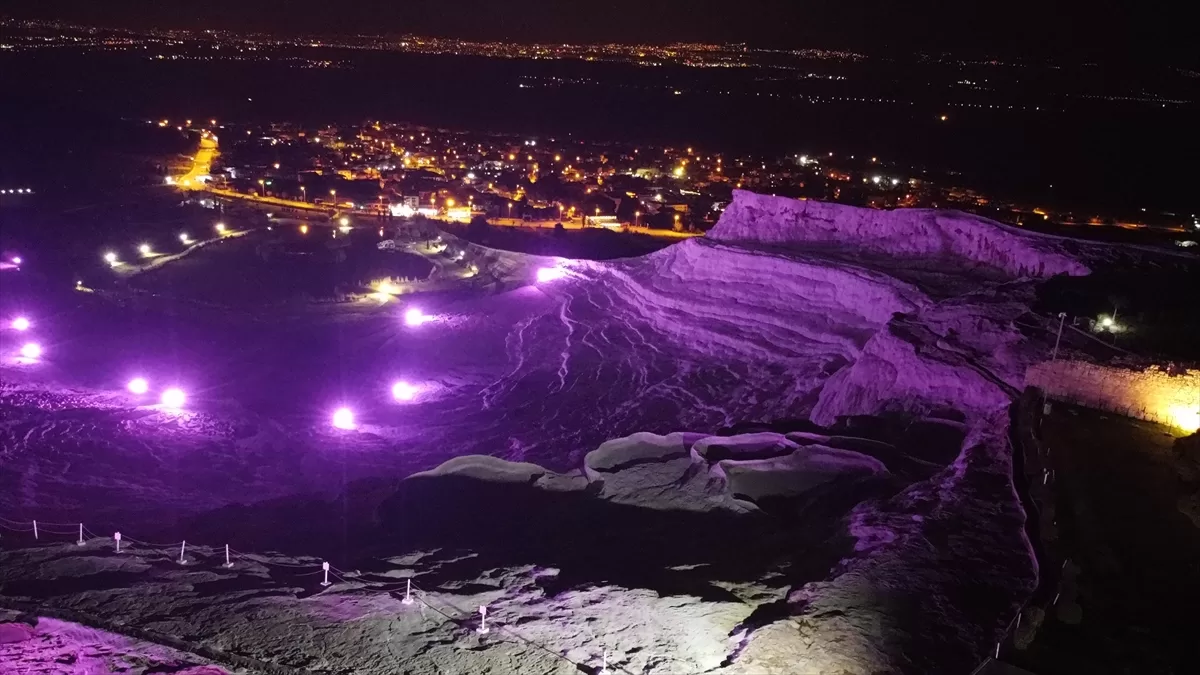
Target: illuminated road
column 201, row 164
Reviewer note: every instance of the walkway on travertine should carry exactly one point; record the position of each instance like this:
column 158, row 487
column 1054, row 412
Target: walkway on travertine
column 1139, row 555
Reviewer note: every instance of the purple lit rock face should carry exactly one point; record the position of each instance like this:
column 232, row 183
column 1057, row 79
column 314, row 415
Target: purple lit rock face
column 553, row 409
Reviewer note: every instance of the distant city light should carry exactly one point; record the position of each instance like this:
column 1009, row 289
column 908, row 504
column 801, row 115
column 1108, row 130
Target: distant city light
column 545, row 274
column 138, row 385
column 303, row 229
column 343, row 418
column 943, row 118
column 220, row 228
column 144, row 249
column 415, row 317
column 875, row 179
column 20, row 323
column 31, row 350
column 173, row 397
column 110, row 258
column 343, row 221
column 16, row 260
column 403, row 391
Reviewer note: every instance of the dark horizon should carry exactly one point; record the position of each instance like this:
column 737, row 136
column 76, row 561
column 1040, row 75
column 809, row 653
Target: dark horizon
column 1103, row 31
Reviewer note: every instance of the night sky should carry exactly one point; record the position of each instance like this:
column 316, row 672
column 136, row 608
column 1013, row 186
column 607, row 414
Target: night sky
column 1101, row 30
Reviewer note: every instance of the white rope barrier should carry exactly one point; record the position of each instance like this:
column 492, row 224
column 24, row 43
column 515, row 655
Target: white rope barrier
column 412, row 593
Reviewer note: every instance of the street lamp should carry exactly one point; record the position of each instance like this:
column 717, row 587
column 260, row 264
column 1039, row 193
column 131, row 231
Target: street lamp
column 303, row 194
column 220, row 228
column 636, row 215
column 333, row 194
column 510, row 209
column 262, row 188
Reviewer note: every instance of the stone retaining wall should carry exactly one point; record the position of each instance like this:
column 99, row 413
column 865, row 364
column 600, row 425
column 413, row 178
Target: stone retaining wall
column 1152, row 394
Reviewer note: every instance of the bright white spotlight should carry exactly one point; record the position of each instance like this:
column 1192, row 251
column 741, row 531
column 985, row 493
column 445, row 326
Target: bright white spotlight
column 138, row 385
column 545, row 274
column 173, row 397
column 220, row 228
column 31, row 350
column 415, row 317
column 144, row 249
column 16, row 260
column 343, row 418
column 20, row 323
column 110, row 258
column 403, row 391
column 185, row 238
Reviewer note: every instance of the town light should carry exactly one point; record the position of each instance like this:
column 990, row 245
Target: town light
column 31, row 350
column 220, row 228
column 876, row 179
column 138, row 385
column 183, row 236
column 20, row 323
column 173, row 398
column 343, row 418
column 304, row 229
column 545, row 274
column 403, row 391
column 343, row 221
column 144, row 249
column 16, row 260
column 110, row 258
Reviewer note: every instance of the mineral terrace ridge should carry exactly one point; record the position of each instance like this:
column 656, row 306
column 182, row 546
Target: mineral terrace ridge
column 779, row 448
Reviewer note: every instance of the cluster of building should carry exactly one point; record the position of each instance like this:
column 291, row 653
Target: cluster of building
column 403, row 170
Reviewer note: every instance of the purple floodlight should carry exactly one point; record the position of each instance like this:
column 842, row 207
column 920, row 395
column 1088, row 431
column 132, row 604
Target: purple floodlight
column 343, row 418
column 139, row 386
column 545, row 274
column 403, row 391
column 31, row 350
column 414, row 317
column 173, row 398
column 20, row 323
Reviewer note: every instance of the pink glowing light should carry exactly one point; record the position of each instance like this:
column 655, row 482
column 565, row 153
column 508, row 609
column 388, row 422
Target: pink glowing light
column 415, row 317
column 31, row 350
column 139, row 386
column 20, row 323
column 343, row 418
column 403, row 391
column 545, row 274
column 16, row 260
column 173, row 397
